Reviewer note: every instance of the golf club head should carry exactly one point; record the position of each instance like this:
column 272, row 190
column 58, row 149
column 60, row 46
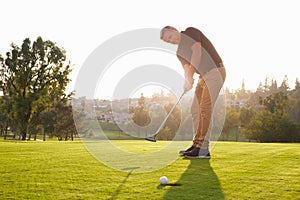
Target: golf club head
column 151, row 139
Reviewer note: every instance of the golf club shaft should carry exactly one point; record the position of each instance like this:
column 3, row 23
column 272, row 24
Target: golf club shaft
column 163, row 123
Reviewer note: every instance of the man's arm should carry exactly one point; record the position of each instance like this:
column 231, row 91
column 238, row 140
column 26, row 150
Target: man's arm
column 189, row 69
column 188, row 74
column 196, row 55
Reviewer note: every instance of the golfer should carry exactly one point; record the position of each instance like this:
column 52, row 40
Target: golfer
column 198, row 56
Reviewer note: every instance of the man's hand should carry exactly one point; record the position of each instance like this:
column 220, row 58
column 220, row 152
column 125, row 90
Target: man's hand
column 189, row 80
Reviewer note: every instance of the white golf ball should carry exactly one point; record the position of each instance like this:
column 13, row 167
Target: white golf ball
column 163, row 180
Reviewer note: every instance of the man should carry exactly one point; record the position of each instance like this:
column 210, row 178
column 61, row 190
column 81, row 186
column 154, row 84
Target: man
column 197, row 55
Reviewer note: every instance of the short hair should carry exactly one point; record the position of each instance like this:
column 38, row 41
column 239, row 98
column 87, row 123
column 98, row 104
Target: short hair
column 166, row 28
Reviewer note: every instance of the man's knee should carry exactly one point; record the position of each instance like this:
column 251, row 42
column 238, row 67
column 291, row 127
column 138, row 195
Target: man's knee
column 205, row 112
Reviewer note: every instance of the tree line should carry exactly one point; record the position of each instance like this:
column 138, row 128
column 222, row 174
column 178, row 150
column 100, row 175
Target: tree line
column 270, row 114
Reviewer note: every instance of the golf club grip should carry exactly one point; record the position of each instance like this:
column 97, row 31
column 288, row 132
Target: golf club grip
column 163, row 123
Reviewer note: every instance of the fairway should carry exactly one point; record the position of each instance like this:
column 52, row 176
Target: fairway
column 66, row 170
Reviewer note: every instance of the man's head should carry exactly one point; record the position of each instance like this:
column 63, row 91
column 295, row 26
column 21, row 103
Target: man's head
column 170, row 34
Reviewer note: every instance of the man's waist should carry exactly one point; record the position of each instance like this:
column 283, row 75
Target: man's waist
column 205, row 70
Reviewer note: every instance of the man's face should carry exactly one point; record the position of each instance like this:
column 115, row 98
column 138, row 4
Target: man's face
column 171, row 37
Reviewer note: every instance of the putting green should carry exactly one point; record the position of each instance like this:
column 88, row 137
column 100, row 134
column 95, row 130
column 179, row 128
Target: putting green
column 66, row 170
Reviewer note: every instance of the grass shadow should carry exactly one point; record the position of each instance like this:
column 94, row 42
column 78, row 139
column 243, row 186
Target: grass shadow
column 122, row 184
column 199, row 181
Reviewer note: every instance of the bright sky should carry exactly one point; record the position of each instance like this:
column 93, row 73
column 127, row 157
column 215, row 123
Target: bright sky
column 256, row 39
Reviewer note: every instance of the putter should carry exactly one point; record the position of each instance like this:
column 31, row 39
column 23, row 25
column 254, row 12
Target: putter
column 152, row 137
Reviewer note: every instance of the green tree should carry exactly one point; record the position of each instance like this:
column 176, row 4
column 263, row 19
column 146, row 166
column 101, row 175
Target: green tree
column 172, row 124
column 296, row 91
column 295, row 110
column 141, row 114
column 246, row 115
column 231, row 122
column 284, row 87
column 5, row 106
column 174, row 119
column 256, row 97
column 48, row 119
column 64, row 126
column 165, row 134
column 271, row 127
column 273, row 87
column 34, row 76
column 186, row 131
column 142, row 100
column 277, row 103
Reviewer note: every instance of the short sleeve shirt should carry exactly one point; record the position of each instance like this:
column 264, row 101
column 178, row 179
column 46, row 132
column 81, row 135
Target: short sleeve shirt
column 209, row 56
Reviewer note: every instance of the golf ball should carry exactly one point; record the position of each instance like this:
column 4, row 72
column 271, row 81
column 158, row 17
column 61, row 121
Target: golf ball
column 163, row 180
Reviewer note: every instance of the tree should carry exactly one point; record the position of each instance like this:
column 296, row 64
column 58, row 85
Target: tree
column 273, row 87
column 142, row 100
column 48, row 119
column 284, row 87
column 266, row 87
column 5, row 106
column 296, row 91
column 141, row 114
column 277, row 103
column 245, row 116
column 165, row 134
column 172, row 124
column 174, row 119
column 231, row 122
column 271, row 127
column 64, row 126
column 295, row 110
column 242, row 93
column 34, row 77
column 257, row 96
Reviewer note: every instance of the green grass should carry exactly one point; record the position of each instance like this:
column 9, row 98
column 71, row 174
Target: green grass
column 66, row 170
